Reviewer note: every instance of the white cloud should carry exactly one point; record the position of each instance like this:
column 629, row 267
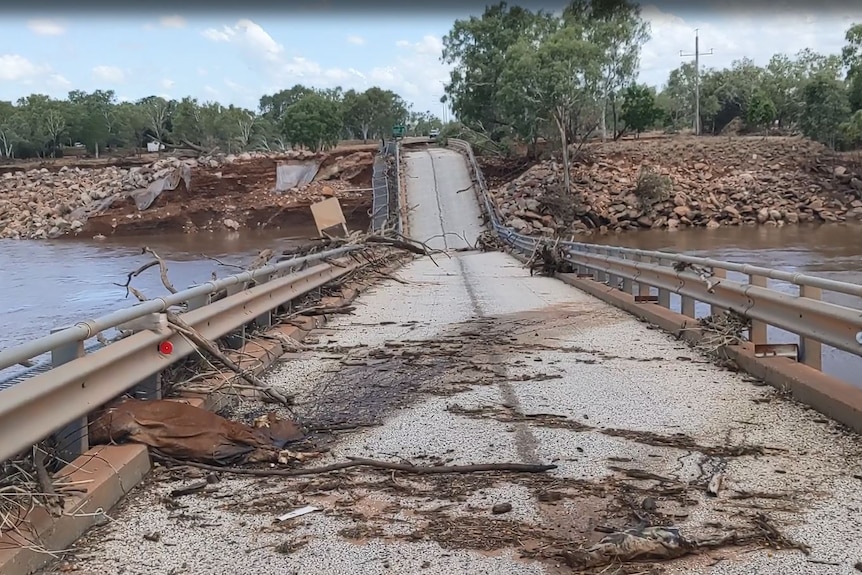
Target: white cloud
column 250, row 37
column 263, row 53
column 356, row 40
column 223, row 35
column 174, row 21
column 167, row 83
column 14, row 68
column 46, row 28
column 111, row 74
column 202, row 72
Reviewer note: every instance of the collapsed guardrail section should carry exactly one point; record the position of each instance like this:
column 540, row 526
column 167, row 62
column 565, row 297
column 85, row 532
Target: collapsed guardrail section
column 655, row 277
column 385, row 211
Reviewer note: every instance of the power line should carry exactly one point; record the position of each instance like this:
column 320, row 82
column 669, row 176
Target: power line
column 697, row 54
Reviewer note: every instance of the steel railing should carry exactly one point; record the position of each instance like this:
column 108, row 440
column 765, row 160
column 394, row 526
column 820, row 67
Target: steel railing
column 695, row 279
column 385, row 210
column 79, row 382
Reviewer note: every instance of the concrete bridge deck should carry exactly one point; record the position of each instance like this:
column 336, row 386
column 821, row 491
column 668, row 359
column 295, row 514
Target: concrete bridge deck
column 471, row 360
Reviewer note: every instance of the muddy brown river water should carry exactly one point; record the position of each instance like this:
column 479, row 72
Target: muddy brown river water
column 49, row 284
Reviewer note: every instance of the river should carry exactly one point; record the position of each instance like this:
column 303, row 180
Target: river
column 55, row 283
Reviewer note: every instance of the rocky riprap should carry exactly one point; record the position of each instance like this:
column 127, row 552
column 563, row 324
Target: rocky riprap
column 707, row 182
column 46, row 203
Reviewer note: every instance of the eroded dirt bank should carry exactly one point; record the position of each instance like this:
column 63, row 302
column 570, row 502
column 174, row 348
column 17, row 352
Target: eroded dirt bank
column 669, row 183
column 170, row 194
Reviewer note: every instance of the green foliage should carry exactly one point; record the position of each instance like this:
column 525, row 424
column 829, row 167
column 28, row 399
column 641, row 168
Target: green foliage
column 526, row 75
column 313, row 122
column 640, row 111
column 825, row 108
column 41, row 126
column 851, row 130
column 760, row 111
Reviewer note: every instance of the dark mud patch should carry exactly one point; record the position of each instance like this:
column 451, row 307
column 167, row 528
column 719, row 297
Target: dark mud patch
column 373, row 381
column 681, row 441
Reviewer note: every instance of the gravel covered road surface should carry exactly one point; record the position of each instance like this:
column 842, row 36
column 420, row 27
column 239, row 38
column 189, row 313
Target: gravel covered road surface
column 470, row 360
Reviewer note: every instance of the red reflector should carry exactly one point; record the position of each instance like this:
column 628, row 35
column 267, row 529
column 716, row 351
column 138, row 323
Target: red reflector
column 166, row 348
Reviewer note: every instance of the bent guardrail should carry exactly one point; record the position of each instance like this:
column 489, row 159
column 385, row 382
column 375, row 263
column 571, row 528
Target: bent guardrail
column 695, row 279
column 385, row 210
column 79, row 382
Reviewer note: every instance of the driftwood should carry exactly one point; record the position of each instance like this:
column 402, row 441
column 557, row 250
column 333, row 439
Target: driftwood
column 196, row 338
column 375, row 464
column 553, row 260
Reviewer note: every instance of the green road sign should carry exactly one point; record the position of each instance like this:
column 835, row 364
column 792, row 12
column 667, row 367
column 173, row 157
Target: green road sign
column 398, row 131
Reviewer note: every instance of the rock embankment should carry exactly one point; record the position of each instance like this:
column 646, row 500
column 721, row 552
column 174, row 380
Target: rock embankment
column 684, row 182
column 211, row 192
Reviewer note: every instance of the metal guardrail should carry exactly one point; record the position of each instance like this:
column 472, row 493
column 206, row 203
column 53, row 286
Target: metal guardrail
column 380, row 197
column 385, row 210
column 639, row 272
column 79, row 382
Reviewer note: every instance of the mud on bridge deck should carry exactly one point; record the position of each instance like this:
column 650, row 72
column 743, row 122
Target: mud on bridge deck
column 475, row 361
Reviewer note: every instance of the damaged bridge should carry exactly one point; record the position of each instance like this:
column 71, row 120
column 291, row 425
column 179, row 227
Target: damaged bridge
column 455, row 398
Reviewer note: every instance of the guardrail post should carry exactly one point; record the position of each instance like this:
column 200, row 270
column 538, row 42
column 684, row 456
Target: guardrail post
column 663, row 294
column 628, row 285
column 264, row 320
column 719, row 274
column 235, row 288
column 687, row 306
column 810, row 350
column 197, row 302
column 643, row 289
column 73, row 439
column 614, row 280
column 757, row 333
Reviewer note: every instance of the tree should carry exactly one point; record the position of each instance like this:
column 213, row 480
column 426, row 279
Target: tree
column 157, row 112
column 313, row 122
column 639, row 108
column 825, row 108
column 373, row 112
column 476, row 48
column 273, row 106
column 559, row 79
column 617, row 27
column 760, row 111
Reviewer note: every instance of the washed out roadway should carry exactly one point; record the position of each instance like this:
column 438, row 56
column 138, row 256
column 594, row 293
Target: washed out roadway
column 468, row 359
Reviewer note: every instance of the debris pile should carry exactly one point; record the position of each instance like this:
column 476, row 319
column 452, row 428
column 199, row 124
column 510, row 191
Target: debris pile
column 684, row 182
column 225, row 192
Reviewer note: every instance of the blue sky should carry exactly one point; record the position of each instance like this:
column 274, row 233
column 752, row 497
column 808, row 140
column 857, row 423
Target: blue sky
column 236, row 57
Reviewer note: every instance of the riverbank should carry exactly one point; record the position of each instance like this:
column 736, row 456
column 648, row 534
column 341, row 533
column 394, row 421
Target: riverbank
column 679, row 182
column 170, row 194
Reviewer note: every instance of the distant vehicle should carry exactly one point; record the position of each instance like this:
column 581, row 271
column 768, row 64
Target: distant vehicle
column 434, row 133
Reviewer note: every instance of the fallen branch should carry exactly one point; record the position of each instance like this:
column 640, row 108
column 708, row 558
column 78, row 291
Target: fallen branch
column 52, row 499
column 323, row 310
column 196, row 338
column 163, row 272
column 374, row 464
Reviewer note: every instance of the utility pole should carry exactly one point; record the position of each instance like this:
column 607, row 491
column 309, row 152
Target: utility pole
column 697, row 54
